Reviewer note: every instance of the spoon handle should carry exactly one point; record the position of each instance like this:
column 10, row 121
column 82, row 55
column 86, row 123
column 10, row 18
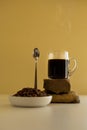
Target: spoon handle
column 35, row 82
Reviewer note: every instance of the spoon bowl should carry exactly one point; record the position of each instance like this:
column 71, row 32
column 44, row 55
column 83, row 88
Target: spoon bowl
column 36, row 53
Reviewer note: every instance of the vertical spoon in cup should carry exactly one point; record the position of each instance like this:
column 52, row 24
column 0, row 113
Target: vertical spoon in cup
column 36, row 55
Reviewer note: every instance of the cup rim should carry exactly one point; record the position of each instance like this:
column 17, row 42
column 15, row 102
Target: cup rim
column 58, row 55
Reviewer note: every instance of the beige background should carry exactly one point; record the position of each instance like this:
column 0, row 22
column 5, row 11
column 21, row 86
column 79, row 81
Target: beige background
column 48, row 25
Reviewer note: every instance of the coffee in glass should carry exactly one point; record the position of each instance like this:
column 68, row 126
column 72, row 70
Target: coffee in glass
column 58, row 65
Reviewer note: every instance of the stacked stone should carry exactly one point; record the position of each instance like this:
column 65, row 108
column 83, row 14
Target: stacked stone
column 61, row 91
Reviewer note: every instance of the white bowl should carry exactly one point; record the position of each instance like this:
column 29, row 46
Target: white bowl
column 30, row 101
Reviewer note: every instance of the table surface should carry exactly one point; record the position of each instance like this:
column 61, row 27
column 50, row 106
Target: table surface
column 51, row 117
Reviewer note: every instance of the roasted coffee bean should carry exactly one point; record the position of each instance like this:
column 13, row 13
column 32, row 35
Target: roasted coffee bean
column 30, row 92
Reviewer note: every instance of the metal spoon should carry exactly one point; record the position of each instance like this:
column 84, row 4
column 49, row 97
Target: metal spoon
column 36, row 55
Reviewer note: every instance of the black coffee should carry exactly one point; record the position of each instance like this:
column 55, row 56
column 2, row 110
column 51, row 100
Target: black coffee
column 58, row 68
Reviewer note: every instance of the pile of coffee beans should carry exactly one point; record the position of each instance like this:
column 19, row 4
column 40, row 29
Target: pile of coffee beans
column 30, row 92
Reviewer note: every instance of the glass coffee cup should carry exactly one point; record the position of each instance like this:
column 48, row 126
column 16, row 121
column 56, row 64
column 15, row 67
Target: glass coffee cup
column 59, row 65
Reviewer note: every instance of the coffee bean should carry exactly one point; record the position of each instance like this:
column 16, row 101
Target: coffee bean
column 30, row 92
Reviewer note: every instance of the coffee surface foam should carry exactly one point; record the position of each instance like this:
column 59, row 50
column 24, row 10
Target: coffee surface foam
column 59, row 55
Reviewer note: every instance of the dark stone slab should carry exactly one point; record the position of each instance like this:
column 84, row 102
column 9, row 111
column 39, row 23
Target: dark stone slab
column 57, row 86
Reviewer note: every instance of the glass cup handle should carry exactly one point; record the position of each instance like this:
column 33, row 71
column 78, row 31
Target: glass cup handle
column 73, row 69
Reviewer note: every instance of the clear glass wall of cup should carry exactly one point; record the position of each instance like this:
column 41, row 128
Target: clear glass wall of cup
column 59, row 65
